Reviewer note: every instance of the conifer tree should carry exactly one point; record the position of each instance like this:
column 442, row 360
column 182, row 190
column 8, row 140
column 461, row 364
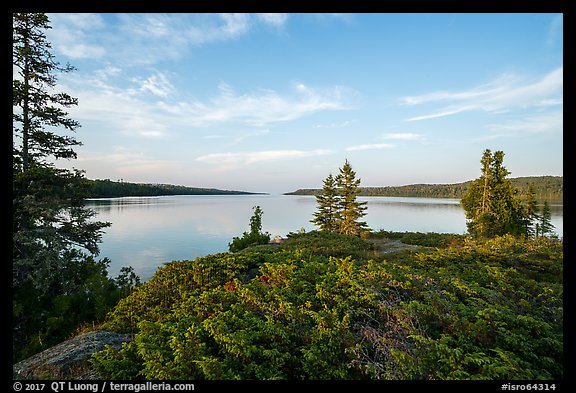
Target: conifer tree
column 350, row 210
column 254, row 237
column 545, row 224
column 256, row 221
column 531, row 211
column 338, row 210
column 54, row 235
column 490, row 203
column 486, row 162
column 327, row 216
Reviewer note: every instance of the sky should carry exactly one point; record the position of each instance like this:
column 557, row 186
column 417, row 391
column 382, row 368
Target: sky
column 276, row 102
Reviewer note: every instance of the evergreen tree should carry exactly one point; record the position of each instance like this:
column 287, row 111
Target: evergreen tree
column 254, row 237
column 490, row 203
column 507, row 206
column 477, row 199
column 531, row 210
column 256, row 221
column 545, row 224
column 327, row 216
column 54, row 236
column 350, row 210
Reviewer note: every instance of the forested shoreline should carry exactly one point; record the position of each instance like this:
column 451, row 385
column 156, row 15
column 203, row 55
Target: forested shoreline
column 113, row 189
column 546, row 188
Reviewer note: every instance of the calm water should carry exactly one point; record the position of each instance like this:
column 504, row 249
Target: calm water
column 148, row 231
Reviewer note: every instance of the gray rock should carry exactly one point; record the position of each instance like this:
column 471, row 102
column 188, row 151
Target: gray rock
column 69, row 359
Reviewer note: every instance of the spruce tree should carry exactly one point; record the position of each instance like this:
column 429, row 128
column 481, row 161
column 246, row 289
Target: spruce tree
column 476, row 201
column 256, row 221
column 545, row 224
column 491, row 204
column 507, row 206
column 327, row 216
column 350, row 210
column 531, row 211
column 54, row 236
column 254, row 237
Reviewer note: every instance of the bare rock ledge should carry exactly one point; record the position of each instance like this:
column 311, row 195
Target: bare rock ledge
column 69, row 359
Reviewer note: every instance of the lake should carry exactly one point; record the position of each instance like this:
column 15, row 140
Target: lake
column 148, row 231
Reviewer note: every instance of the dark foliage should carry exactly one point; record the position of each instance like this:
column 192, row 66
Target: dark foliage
column 113, row 189
column 546, row 188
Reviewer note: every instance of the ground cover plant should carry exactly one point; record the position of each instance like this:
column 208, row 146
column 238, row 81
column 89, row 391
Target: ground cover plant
column 329, row 306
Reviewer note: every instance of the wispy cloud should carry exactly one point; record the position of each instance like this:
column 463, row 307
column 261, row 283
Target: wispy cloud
column 206, row 28
column 276, row 20
column 157, row 84
column 372, row 146
column 247, row 158
column 555, row 30
column 121, row 109
column 547, row 123
column 74, row 35
column 398, row 136
column 141, row 38
column 126, row 161
column 151, row 106
column 505, row 93
column 336, row 125
column 261, row 107
column 234, row 138
column 404, row 136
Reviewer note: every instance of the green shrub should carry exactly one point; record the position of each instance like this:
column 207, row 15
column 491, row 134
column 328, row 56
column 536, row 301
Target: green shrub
column 248, row 240
column 253, row 238
column 482, row 310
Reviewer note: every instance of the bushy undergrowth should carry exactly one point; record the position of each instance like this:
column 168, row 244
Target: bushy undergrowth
column 430, row 239
column 329, row 244
column 315, row 308
column 248, row 240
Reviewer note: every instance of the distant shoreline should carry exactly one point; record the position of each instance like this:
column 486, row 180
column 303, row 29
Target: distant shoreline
column 549, row 188
column 117, row 189
column 545, row 187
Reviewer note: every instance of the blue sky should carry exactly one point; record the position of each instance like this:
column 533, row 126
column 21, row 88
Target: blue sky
column 276, row 102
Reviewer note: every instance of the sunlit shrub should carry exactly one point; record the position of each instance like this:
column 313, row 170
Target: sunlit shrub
column 306, row 310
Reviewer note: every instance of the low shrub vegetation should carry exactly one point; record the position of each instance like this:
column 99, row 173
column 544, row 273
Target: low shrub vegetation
column 318, row 307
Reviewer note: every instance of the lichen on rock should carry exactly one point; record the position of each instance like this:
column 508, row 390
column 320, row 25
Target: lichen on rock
column 69, row 359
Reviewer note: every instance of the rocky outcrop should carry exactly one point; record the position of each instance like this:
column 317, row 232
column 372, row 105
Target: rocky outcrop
column 69, row 359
